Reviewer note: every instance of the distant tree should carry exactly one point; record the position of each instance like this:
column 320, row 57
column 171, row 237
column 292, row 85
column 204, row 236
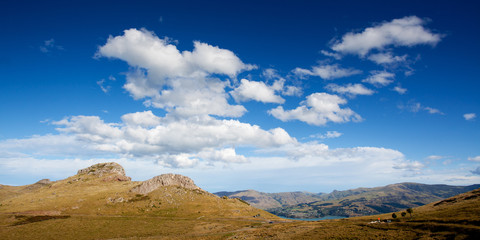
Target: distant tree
column 410, row 211
column 394, row 215
column 404, row 214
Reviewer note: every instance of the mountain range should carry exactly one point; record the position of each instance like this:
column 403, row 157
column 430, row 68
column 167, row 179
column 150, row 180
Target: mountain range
column 349, row 203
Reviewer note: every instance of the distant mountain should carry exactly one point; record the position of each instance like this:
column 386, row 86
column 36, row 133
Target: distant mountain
column 350, row 203
column 272, row 200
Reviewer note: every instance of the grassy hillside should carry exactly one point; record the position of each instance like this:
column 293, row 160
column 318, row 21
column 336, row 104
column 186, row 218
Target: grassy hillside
column 92, row 207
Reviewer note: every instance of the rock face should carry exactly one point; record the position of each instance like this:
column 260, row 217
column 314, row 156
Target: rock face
column 114, row 170
column 163, row 180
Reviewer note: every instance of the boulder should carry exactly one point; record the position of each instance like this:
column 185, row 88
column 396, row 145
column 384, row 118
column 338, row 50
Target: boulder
column 163, row 180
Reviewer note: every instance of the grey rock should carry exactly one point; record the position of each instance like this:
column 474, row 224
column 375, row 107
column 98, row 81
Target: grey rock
column 163, row 180
column 103, row 168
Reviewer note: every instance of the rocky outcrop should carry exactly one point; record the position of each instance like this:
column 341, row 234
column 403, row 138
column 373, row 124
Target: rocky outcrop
column 44, row 182
column 163, row 180
column 114, row 171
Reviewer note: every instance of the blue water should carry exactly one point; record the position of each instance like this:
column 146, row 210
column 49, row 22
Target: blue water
column 315, row 219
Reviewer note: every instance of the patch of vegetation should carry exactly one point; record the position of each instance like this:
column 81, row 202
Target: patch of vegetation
column 22, row 219
column 139, row 197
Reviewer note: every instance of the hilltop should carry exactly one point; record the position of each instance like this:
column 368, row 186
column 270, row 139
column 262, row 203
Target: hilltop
column 349, row 203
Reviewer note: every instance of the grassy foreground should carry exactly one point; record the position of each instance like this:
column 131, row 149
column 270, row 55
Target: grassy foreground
column 91, row 207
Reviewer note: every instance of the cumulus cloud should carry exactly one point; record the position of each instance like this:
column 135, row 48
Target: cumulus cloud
column 350, row 89
column 406, row 31
column 326, row 71
column 380, row 78
column 318, row 109
column 258, row 91
column 469, row 116
column 169, row 140
column 180, row 82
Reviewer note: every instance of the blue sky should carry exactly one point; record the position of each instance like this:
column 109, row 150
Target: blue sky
column 272, row 95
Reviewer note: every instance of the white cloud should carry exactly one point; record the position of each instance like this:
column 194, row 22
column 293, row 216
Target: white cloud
column 433, row 110
column 143, row 119
column 350, row 89
column 331, row 54
column 328, row 134
column 326, row 72
column 409, row 165
column 228, row 155
column 169, row 140
column 179, row 82
column 413, row 106
column 406, row 31
column 380, row 78
column 474, row 159
column 469, row 116
column 49, row 46
column 476, row 171
column 435, row 157
column 386, row 58
column 318, row 109
column 258, row 91
column 279, row 83
column 400, row 90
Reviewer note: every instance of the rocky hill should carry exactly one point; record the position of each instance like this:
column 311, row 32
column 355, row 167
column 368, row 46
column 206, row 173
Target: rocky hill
column 104, row 195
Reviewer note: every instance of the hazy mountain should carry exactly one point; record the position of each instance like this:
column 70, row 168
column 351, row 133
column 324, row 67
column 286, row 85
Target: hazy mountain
column 354, row 202
column 370, row 201
column 271, row 200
